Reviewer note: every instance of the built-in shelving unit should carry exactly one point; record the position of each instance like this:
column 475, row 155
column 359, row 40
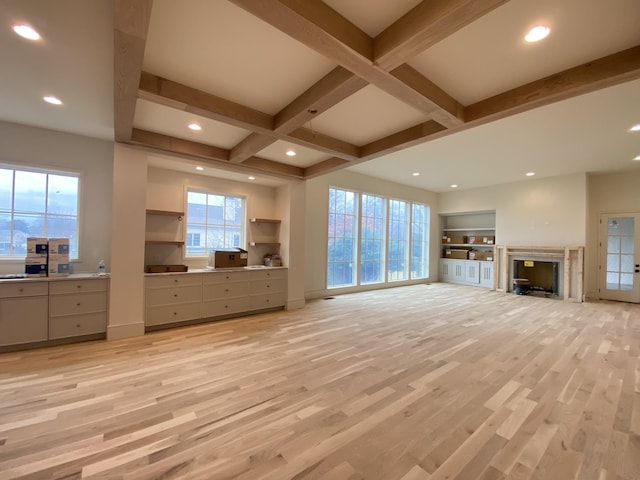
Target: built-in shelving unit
column 264, row 232
column 153, row 237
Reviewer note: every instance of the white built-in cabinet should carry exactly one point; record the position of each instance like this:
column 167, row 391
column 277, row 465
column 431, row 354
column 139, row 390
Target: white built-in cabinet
column 191, row 296
column 469, row 272
column 41, row 312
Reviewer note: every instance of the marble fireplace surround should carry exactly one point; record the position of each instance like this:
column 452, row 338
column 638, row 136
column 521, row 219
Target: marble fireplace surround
column 570, row 258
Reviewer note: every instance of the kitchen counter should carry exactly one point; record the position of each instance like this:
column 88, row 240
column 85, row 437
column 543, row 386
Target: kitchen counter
column 74, row 276
column 217, row 270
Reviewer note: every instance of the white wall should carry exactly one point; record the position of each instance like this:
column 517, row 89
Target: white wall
column 535, row 212
column 608, row 193
column 317, row 196
column 35, row 147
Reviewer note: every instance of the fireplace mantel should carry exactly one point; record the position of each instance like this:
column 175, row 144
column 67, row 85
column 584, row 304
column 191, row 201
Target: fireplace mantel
column 572, row 258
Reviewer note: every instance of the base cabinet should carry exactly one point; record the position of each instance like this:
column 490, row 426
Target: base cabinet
column 188, row 297
column 23, row 313
column 467, row 272
column 77, row 307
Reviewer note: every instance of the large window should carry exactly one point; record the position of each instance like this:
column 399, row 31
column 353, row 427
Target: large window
column 372, row 239
column 37, row 203
column 341, row 256
column 398, row 239
column 213, row 221
column 419, row 241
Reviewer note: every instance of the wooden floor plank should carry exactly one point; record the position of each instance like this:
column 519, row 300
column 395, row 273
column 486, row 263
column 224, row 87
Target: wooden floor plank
column 414, row 383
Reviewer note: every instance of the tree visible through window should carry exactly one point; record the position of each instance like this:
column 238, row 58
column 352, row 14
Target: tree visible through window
column 37, row 203
column 214, row 221
column 372, row 239
column 341, row 255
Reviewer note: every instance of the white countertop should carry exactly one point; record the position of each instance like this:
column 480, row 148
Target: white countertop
column 217, row 270
column 73, row 276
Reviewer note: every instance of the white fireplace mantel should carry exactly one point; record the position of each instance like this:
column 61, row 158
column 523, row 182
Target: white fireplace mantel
column 572, row 258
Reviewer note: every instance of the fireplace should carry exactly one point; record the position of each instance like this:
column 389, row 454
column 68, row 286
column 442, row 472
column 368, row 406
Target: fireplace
column 552, row 272
column 536, row 277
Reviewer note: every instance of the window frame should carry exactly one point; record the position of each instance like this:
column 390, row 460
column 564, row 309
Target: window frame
column 355, row 238
column 75, row 253
column 242, row 227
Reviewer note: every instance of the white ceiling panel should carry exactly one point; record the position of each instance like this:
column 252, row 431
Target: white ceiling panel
column 490, row 56
column 365, row 116
column 219, row 48
column 168, row 121
column 304, row 157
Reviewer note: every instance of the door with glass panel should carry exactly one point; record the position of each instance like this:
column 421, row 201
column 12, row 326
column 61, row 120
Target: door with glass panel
column 620, row 257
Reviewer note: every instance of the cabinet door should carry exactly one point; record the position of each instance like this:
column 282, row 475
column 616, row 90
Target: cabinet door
column 23, row 320
column 472, row 272
column 458, row 273
column 486, row 274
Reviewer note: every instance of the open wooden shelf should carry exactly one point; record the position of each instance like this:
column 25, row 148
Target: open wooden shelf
column 166, row 213
column 164, row 242
column 264, row 244
column 264, row 220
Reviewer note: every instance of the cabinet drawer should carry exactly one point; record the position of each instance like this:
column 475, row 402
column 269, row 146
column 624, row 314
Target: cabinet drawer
column 60, row 305
column 225, row 307
column 77, row 286
column 225, row 277
column 225, row 290
column 183, row 279
column 23, row 320
column 267, row 286
column 76, row 325
column 172, row 313
column 23, row 289
column 258, row 302
column 172, row 296
column 267, row 274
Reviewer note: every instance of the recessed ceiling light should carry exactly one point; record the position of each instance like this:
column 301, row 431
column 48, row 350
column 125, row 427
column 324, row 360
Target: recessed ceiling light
column 455, row 185
column 637, row 158
column 635, row 128
column 199, row 168
column 416, row 174
column 291, row 153
column 195, row 127
column 52, row 100
column 537, row 33
column 25, row 31
column 530, row 174
column 251, row 178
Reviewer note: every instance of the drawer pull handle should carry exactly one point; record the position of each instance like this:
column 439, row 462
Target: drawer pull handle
column 78, row 325
column 175, row 280
column 79, row 286
column 226, row 306
column 226, row 289
column 22, row 289
column 227, row 277
column 175, row 295
column 175, row 313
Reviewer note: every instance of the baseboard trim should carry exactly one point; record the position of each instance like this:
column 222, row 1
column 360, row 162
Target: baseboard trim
column 117, row 332
column 296, row 304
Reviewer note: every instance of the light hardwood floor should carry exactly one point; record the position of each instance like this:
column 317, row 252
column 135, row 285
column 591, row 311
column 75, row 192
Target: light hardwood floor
column 430, row 382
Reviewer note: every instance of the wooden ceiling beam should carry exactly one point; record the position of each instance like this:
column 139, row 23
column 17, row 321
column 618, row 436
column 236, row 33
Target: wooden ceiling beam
column 330, row 145
column 400, row 140
column 425, row 25
column 214, row 156
column 604, row 72
column 326, row 166
column 181, row 97
column 312, row 23
column 130, row 26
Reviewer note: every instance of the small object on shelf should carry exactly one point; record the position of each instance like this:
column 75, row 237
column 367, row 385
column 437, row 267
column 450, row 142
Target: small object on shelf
column 102, row 268
column 272, row 260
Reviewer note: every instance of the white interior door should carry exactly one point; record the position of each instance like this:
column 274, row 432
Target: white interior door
column 620, row 257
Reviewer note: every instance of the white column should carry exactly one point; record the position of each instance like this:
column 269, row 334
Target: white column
column 291, row 207
column 126, row 299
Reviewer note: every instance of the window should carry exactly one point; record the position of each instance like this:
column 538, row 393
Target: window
column 213, row 221
column 419, row 241
column 37, row 203
column 372, row 236
column 398, row 237
column 372, row 239
column 341, row 255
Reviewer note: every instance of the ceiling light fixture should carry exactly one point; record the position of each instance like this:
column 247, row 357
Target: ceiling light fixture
column 537, row 33
column 52, row 100
column 530, row 174
column 25, row 31
column 454, row 185
column 291, row 153
column 199, row 169
column 637, row 158
column 635, row 128
column 195, row 127
column 416, row 174
column 251, row 178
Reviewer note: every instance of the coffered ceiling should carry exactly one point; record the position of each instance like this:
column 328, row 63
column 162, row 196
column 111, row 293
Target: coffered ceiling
column 444, row 88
